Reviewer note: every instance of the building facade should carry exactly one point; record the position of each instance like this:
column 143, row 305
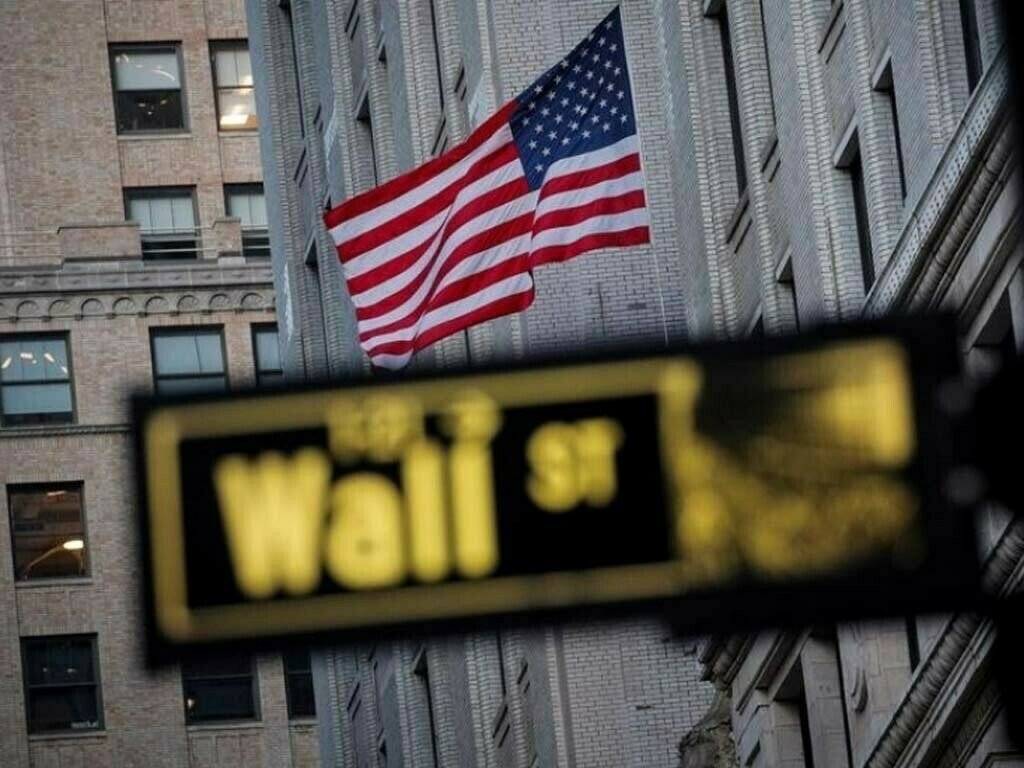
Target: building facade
column 806, row 162
column 133, row 258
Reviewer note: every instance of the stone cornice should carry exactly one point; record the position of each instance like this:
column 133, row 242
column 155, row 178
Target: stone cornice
column 940, row 221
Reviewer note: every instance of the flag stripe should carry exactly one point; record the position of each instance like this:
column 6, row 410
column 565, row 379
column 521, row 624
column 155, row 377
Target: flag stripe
column 564, row 252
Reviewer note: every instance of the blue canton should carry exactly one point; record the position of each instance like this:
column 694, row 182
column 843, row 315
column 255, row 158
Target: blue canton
column 582, row 103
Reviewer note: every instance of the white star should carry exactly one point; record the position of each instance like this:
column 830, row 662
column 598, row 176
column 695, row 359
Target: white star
column 613, row 47
column 611, row 86
column 558, row 79
column 532, row 144
column 532, row 105
column 603, row 102
column 584, row 92
column 574, row 125
column 565, row 141
column 563, row 63
column 586, row 134
column 596, row 57
column 590, row 75
column 578, row 109
column 551, row 95
column 538, row 128
column 600, row 40
column 565, row 102
column 608, row 64
column 608, row 24
column 539, row 168
column 593, row 95
column 590, row 37
column 594, row 119
column 620, row 94
column 617, row 70
column 526, row 121
column 577, row 69
column 558, row 119
column 615, row 110
column 545, row 111
column 545, row 151
column 601, row 81
column 607, row 126
column 552, row 135
column 572, row 85
column 537, row 89
column 623, row 118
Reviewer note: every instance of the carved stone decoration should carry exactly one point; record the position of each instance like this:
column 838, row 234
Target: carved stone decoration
column 91, row 308
column 219, row 301
column 58, row 308
column 252, row 301
column 188, row 303
column 157, row 305
column 859, row 690
column 710, row 744
column 27, row 309
column 124, row 306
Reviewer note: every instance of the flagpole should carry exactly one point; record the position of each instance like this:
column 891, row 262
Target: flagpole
column 640, row 144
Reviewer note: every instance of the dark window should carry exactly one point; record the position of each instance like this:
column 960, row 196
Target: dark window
column 913, row 643
column 422, row 671
column 246, row 201
column 167, row 221
column 188, row 360
column 298, row 680
column 734, row 106
column 972, row 42
column 147, row 88
column 290, row 31
column 860, row 211
column 47, row 530
column 35, row 380
column 219, row 688
column 788, row 284
column 62, row 691
column 805, row 728
column 268, row 356
column 365, row 123
column 767, row 59
column 437, row 54
column 232, row 82
column 887, row 87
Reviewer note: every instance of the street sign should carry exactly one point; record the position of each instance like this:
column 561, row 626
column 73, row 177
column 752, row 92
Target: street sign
column 773, row 479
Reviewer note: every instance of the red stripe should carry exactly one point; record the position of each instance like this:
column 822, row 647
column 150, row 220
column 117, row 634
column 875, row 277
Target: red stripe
column 565, row 217
column 475, row 207
column 398, row 186
column 613, row 170
column 506, row 305
column 488, row 239
column 409, row 219
column 553, row 253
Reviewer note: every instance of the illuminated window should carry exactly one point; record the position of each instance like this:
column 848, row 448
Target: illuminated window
column 219, row 688
column 147, row 88
column 268, row 356
column 62, row 690
column 35, row 380
column 187, row 360
column 298, row 679
column 232, row 79
column 246, row 202
column 167, row 221
column 47, row 531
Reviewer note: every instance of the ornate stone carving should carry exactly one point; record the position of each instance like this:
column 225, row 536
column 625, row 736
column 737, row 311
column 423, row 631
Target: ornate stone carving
column 188, row 303
column 91, row 307
column 27, row 308
column 157, row 305
column 57, row 308
column 124, row 306
column 219, row 301
column 252, row 301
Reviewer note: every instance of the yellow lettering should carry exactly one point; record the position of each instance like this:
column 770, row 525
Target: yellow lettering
column 571, row 464
column 364, row 541
column 273, row 509
column 423, row 481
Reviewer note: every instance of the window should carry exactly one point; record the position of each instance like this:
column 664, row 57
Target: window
column 246, row 201
column 219, row 688
column 365, row 136
column 788, row 289
column 887, row 87
column 972, row 42
column 147, row 88
column 298, row 681
column 232, row 81
column 268, row 356
column 62, row 691
column 167, row 221
column 767, row 58
column 422, row 671
column 913, row 643
column 860, row 212
column 187, row 360
column 47, row 531
column 35, row 380
column 735, row 125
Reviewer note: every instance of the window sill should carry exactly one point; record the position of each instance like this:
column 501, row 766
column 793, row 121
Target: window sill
column 155, row 135
column 302, row 721
column 231, row 134
column 92, row 733
column 59, row 581
column 228, row 725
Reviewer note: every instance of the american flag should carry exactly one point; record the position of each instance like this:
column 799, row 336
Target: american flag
column 552, row 174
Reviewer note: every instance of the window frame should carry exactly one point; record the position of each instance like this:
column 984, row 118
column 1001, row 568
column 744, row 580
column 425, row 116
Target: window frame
column 230, row 44
column 77, row 485
column 254, row 232
column 168, row 237
column 66, row 336
column 187, row 330
column 257, row 369
column 736, row 136
column 186, row 124
column 97, row 684
column 254, row 692
column 288, row 674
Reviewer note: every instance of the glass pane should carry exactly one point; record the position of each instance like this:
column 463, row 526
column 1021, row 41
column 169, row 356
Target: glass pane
column 183, row 212
column 297, row 661
column 36, row 359
column 161, row 211
column 258, row 205
column 226, row 699
column 225, row 69
column 300, row 695
column 238, row 205
column 48, row 533
column 61, row 709
column 149, row 111
column 235, row 665
column 139, row 70
column 54, row 661
column 191, row 386
column 237, row 109
column 244, row 66
column 188, row 353
column 268, row 356
column 138, row 210
column 21, row 399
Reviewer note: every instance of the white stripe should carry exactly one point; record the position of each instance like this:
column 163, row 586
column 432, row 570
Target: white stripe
column 518, row 246
column 380, row 214
column 615, row 222
column 401, row 244
column 603, row 156
column 575, row 197
column 473, row 227
column 500, row 290
column 391, row 362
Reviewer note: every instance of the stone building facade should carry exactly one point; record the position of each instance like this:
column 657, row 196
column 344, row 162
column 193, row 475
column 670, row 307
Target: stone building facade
column 806, row 162
column 132, row 256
